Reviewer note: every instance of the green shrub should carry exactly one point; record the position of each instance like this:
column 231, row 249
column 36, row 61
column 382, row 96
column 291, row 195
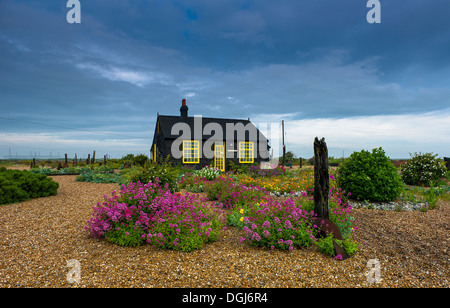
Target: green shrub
column 140, row 160
column 127, row 175
column 422, row 169
column 164, row 172
column 22, row 185
column 326, row 246
column 370, row 176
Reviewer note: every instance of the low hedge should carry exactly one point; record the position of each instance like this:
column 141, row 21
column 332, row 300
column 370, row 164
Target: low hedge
column 22, row 185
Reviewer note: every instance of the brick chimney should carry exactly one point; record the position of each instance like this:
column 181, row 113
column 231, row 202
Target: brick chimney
column 184, row 109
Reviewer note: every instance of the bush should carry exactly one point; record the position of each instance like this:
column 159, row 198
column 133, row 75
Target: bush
column 152, row 214
column 140, row 160
column 209, row 173
column 370, row 176
column 232, row 194
column 164, row 172
column 18, row 186
column 422, row 169
column 325, row 245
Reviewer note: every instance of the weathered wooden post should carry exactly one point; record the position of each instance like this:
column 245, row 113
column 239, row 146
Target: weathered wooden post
column 104, row 159
column 65, row 160
column 301, row 163
column 321, row 194
column 88, row 160
column 93, row 158
column 75, row 161
column 321, row 178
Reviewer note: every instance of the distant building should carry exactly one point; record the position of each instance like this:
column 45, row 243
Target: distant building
column 199, row 141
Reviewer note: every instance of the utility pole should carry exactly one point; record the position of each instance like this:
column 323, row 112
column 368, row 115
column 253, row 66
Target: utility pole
column 284, row 148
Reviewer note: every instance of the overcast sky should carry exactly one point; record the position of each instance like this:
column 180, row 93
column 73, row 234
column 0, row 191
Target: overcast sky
column 318, row 65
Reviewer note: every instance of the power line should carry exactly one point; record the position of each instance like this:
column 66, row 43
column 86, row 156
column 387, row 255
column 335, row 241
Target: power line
column 71, row 128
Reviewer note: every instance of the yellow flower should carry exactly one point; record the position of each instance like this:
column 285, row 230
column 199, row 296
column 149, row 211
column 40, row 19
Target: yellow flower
column 242, row 218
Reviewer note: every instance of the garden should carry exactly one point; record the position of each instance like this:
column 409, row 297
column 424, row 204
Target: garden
column 175, row 208
column 180, row 209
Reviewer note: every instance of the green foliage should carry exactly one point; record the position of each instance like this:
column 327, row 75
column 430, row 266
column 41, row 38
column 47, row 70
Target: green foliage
column 240, row 168
column 127, row 175
column 97, row 177
column 422, row 169
column 18, row 186
column 370, row 176
column 326, row 246
column 125, row 235
column 140, row 160
column 289, row 158
column 164, row 171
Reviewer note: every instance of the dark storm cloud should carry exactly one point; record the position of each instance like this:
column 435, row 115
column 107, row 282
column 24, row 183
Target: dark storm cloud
column 128, row 60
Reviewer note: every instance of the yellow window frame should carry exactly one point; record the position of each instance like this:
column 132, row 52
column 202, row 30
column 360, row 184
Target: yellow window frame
column 219, row 157
column 246, row 152
column 154, row 153
column 191, row 152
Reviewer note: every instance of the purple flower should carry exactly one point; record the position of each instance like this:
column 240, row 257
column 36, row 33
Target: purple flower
column 266, row 233
column 256, row 237
column 287, row 224
column 266, row 224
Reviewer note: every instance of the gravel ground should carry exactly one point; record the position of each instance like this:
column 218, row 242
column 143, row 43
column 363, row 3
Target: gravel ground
column 38, row 238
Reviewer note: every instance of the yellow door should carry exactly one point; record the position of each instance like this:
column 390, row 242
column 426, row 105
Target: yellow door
column 219, row 158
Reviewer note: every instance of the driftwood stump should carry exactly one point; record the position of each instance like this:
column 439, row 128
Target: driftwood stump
column 321, row 195
column 321, row 178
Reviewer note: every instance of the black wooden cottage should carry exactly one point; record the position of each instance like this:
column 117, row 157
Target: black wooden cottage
column 200, row 141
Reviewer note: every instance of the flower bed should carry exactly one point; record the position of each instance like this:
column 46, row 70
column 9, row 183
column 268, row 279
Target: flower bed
column 151, row 214
column 280, row 184
column 289, row 223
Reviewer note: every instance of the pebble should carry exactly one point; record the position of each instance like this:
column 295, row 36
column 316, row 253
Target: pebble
column 36, row 246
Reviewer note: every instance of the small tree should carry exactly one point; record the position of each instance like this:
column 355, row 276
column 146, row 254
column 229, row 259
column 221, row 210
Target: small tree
column 140, row 160
column 370, row 176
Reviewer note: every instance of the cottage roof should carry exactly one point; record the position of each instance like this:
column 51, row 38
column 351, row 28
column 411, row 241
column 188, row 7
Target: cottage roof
column 242, row 128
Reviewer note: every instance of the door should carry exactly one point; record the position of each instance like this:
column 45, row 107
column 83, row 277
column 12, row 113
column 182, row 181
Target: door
column 219, row 157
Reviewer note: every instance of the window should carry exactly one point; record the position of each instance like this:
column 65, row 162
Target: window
column 246, row 152
column 190, row 152
column 219, row 158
